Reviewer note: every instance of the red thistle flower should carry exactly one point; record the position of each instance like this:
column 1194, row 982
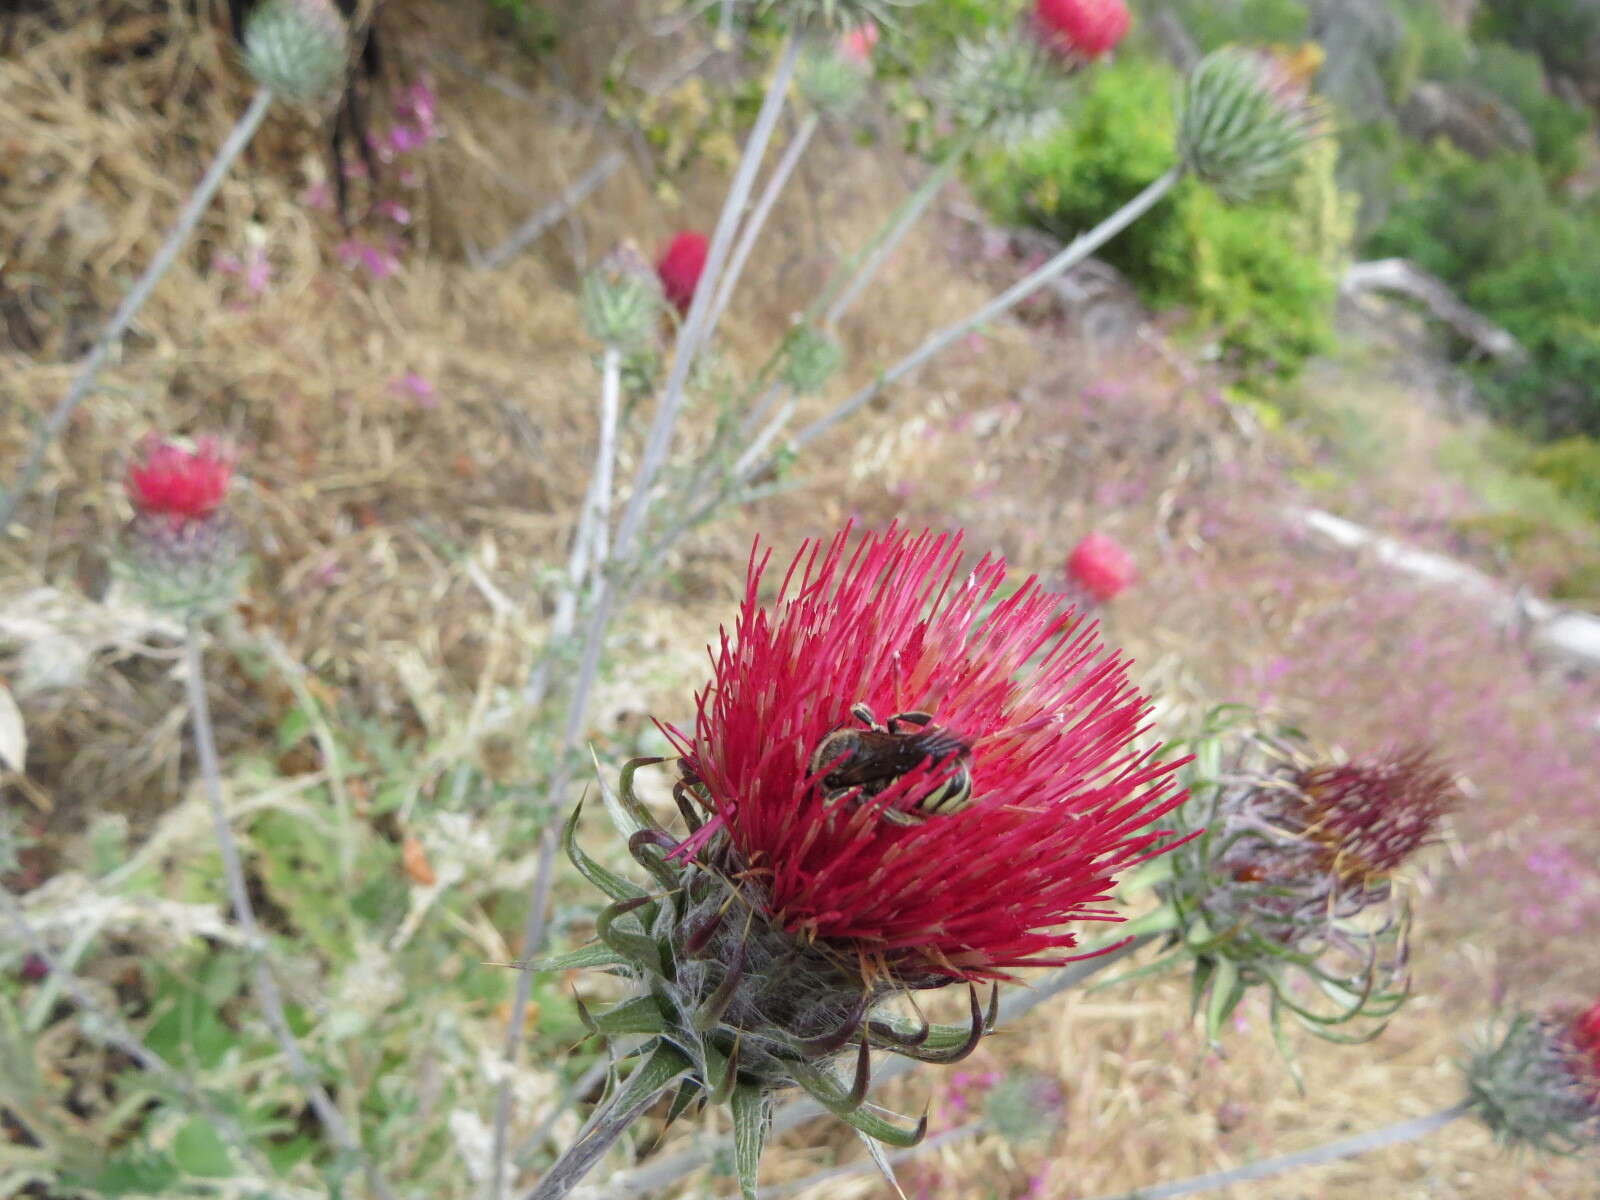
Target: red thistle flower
column 1081, row 28
column 679, row 268
column 856, row 45
column 1004, row 691
column 1100, row 566
column 177, row 483
column 1586, row 1036
column 1370, row 816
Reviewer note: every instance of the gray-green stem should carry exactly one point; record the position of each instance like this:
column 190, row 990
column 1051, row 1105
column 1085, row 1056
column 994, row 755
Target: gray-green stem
column 264, row 983
column 1080, row 249
column 199, row 199
column 1362, row 1143
column 580, row 1159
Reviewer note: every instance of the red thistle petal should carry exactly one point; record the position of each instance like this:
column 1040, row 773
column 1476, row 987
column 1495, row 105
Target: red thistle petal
column 1082, row 28
column 679, row 268
column 1061, row 802
column 1586, row 1036
column 1100, row 566
column 178, row 483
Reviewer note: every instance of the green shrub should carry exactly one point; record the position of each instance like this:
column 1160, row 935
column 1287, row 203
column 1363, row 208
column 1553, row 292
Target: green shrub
column 1559, row 128
column 1561, row 32
column 1494, row 232
column 1261, row 276
column 1572, row 467
column 1214, row 23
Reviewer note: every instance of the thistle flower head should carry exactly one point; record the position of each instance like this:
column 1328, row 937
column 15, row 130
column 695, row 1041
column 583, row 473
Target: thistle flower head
column 857, row 44
column 1538, row 1085
column 1293, row 872
column 621, row 300
column 183, row 485
column 680, row 266
column 1006, row 86
column 297, row 48
column 832, row 16
column 976, row 805
column 1244, row 121
column 182, row 551
column 901, row 775
column 1084, row 29
column 1100, row 566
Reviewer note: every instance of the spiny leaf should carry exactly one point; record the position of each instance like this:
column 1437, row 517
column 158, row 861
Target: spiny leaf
column 596, row 954
column 639, row 1015
column 611, row 884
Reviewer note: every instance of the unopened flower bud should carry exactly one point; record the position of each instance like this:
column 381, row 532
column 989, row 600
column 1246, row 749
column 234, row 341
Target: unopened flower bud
column 1006, row 86
column 1246, row 118
column 297, row 48
column 622, row 300
column 680, row 266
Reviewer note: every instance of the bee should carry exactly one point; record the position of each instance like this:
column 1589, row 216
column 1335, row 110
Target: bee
column 866, row 761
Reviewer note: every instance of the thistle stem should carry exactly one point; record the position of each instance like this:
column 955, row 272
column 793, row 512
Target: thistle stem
column 698, row 325
column 1070, row 257
column 751, row 232
column 530, row 230
column 579, row 1159
column 878, row 251
column 264, row 984
column 199, row 199
column 1361, row 1143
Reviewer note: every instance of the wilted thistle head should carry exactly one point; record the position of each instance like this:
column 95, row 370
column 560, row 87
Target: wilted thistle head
column 297, row 48
column 622, row 300
column 1244, row 120
column 182, row 551
column 901, row 776
column 1539, row 1084
column 1292, row 874
column 1006, row 86
column 810, row 361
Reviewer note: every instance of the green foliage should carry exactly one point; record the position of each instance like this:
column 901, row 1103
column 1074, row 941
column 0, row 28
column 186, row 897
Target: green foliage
column 1217, row 23
column 1562, row 32
column 1260, row 275
column 1493, row 231
column 1572, row 467
column 1558, row 128
column 532, row 25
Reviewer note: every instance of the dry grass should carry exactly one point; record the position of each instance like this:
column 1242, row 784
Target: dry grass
column 388, row 530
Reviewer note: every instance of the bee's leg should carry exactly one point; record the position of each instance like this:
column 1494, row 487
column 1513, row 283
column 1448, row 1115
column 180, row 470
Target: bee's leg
column 910, row 718
column 862, row 713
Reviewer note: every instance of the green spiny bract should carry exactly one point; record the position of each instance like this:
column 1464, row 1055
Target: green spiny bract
column 297, row 48
column 1259, row 895
column 1006, row 86
column 1525, row 1088
column 622, row 302
column 191, row 569
column 811, row 360
column 835, row 16
column 739, row 1008
column 1243, row 121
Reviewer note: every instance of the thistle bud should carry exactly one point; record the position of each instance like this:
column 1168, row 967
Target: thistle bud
column 622, row 300
column 811, row 360
column 1539, row 1085
column 297, row 48
column 1290, row 872
column 1006, row 86
column 832, row 16
column 1244, row 121
column 1100, row 567
column 182, row 551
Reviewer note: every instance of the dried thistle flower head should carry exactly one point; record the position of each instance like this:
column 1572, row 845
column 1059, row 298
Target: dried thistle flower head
column 1245, row 119
column 1006, row 86
column 297, row 48
column 622, row 300
column 1291, row 872
column 182, row 552
column 895, row 781
column 1538, row 1085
